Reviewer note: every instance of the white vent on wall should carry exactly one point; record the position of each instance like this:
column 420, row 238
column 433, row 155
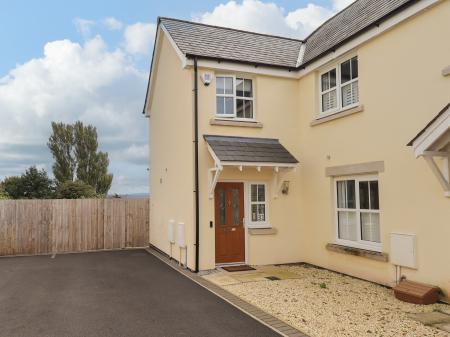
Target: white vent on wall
column 403, row 250
column 181, row 235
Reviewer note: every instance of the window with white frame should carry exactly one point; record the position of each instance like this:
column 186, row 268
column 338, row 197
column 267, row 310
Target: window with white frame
column 358, row 212
column 258, row 204
column 339, row 87
column 234, row 97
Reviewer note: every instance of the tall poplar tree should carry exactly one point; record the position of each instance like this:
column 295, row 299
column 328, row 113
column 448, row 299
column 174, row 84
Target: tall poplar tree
column 80, row 159
column 61, row 145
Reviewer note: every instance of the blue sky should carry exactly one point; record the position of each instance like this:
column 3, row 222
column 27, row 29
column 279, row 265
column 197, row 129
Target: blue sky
column 89, row 60
column 28, row 25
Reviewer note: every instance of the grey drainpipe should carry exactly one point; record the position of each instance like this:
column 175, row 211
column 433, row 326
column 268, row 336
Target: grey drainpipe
column 197, row 204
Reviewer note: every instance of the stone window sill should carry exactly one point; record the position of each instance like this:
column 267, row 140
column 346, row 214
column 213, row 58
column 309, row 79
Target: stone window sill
column 337, row 115
column 262, row 231
column 235, row 123
column 378, row 256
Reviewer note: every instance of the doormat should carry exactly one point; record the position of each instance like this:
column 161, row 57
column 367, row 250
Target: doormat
column 232, row 269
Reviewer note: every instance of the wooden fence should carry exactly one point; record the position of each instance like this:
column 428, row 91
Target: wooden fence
column 55, row 226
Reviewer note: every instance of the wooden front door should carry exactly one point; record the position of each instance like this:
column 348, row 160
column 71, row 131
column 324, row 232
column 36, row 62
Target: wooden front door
column 229, row 218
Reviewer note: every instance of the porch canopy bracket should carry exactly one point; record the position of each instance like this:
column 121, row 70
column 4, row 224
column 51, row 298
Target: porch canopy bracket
column 433, row 144
column 244, row 152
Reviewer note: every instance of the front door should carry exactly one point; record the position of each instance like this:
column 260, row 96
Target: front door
column 229, row 214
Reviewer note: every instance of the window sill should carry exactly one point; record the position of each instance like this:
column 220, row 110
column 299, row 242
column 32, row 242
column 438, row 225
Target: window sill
column 262, row 231
column 369, row 254
column 337, row 115
column 215, row 121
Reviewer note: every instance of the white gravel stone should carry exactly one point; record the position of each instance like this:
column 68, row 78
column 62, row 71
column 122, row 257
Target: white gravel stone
column 346, row 307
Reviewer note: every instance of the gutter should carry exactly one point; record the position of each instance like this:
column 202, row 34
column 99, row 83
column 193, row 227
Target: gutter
column 249, row 63
column 197, row 204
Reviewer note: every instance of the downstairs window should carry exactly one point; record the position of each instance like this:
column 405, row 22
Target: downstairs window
column 358, row 212
column 258, row 205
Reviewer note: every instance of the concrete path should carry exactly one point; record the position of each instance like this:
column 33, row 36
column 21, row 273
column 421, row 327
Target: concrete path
column 123, row 294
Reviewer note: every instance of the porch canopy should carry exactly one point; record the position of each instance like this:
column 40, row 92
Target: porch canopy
column 433, row 143
column 242, row 152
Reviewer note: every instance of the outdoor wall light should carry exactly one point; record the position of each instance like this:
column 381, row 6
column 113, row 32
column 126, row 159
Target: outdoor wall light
column 285, row 187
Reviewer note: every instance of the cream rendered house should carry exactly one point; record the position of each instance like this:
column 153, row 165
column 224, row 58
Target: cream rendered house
column 276, row 150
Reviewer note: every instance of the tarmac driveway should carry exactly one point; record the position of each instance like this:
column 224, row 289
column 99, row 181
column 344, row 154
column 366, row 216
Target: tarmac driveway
column 123, row 293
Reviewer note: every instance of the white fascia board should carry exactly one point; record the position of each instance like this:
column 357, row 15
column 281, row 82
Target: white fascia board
column 252, row 164
column 369, row 35
column 437, row 129
column 245, row 68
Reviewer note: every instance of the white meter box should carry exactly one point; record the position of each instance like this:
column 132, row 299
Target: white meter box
column 181, row 235
column 403, row 250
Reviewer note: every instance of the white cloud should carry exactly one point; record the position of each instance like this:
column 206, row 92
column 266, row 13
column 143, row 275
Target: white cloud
column 70, row 82
column 135, row 153
column 305, row 20
column 341, row 4
column 84, row 26
column 139, row 38
column 112, row 23
column 251, row 15
column 263, row 17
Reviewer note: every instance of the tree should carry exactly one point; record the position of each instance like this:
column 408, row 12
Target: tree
column 3, row 194
column 13, row 187
column 61, row 145
column 33, row 184
column 75, row 190
column 92, row 166
column 75, row 150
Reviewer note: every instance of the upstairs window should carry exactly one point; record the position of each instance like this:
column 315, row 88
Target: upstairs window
column 234, row 97
column 329, row 90
column 339, row 87
column 349, row 82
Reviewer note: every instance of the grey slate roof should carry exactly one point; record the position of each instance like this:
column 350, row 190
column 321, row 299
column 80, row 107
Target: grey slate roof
column 195, row 39
column 214, row 42
column 251, row 150
column 352, row 20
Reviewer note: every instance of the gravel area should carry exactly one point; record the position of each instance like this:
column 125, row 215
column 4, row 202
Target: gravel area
column 322, row 303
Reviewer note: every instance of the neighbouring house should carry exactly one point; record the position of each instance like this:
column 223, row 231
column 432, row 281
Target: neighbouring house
column 277, row 150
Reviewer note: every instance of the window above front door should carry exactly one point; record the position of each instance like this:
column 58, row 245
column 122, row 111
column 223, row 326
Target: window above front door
column 234, row 97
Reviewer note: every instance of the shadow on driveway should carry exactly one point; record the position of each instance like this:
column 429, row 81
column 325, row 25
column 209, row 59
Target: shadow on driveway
column 118, row 294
